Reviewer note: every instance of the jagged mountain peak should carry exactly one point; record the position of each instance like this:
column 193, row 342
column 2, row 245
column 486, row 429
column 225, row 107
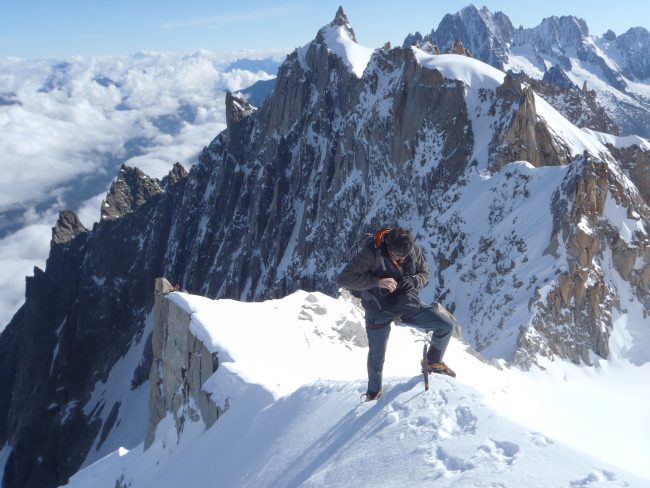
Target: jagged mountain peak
column 339, row 38
column 565, row 28
column 237, row 109
column 340, row 21
column 340, row 18
column 131, row 189
column 564, row 40
column 68, row 226
column 484, row 34
column 610, row 35
column 633, row 47
column 176, row 174
column 558, row 77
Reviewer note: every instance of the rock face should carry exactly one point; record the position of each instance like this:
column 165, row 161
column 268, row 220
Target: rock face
column 580, row 106
column 484, row 34
column 67, row 228
column 458, row 48
column 634, row 48
column 84, row 312
column 131, row 189
column 575, row 319
column 526, row 254
column 523, row 136
column 181, row 364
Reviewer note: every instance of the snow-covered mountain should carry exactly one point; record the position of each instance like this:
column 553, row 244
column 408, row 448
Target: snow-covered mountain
column 535, row 232
column 293, row 418
column 616, row 67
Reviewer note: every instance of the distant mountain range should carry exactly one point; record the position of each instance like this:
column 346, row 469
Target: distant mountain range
column 616, row 67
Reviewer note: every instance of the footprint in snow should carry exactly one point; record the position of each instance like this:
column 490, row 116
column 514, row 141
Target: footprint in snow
column 501, row 454
column 466, row 420
column 446, row 465
column 539, row 440
column 596, row 476
column 453, row 423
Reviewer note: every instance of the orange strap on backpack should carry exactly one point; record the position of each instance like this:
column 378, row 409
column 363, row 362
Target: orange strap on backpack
column 379, row 237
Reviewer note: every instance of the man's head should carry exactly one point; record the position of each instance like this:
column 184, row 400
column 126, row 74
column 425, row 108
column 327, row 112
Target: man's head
column 399, row 242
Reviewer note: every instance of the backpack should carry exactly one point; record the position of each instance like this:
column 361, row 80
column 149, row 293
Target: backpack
column 368, row 240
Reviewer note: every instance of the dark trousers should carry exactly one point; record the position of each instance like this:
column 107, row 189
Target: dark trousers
column 411, row 311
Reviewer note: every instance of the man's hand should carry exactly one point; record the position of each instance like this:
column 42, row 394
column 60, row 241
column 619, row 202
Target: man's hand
column 407, row 284
column 388, row 283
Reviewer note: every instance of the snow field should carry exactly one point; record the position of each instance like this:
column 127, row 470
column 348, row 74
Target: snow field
column 295, row 418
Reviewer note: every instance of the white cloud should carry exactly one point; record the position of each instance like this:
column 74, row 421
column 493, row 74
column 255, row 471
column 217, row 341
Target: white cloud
column 90, row 210
column 78, row 119
column 19, row 253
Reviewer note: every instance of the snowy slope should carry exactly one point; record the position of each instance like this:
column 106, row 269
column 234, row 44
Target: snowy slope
column 293, row 370
column 354, row 55
column 619, row 141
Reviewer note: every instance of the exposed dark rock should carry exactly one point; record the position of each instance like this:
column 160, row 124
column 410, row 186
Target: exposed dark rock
column 412, row 40
column 482, row 33
column 181, row 365
column 636, row 163
column 555, row 76
column 522, row 136
column 458, row 48
column 580, row 107
column 131, row 190
column 177, row 173
column 237, row 109
column 67, row 228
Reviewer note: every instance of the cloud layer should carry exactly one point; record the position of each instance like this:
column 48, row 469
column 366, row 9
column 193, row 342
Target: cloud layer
column 67, row 125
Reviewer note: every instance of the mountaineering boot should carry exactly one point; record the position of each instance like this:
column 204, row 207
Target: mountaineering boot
column 439, row 368
column 370, row 396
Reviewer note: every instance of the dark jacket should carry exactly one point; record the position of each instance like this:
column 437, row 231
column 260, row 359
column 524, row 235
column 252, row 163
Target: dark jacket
column 372, row 264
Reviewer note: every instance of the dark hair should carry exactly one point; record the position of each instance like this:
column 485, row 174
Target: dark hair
column 399, row 241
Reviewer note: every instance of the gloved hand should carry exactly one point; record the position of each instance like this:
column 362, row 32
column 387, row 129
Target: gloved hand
column 407, row 284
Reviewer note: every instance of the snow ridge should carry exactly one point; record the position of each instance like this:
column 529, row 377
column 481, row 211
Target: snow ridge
column 489, row 425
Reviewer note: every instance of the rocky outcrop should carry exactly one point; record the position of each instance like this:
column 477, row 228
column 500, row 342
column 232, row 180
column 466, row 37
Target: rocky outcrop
column 237, row 109
column 130, row 190
column 458, row 48
column 574, row 319
column 177, row 173
column 522, row 136
column 579, row 106
column 67, row 227
column 181, row 365
column 636, row 163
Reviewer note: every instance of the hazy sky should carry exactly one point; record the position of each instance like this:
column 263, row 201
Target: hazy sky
column 47, row 28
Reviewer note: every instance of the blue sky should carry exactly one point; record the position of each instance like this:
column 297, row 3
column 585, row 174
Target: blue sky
column 47, row 28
